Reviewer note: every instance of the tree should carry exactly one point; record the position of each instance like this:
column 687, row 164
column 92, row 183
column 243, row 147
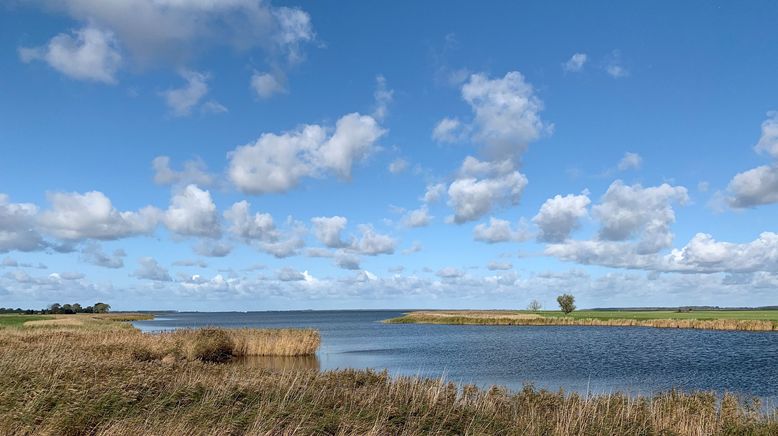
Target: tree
column 534, row 305
column 566, row 303
column 102, row 308
column 55, row 308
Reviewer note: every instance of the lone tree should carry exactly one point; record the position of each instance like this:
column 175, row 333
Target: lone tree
column 102, row 308
column 566, row 303
column 534, row 305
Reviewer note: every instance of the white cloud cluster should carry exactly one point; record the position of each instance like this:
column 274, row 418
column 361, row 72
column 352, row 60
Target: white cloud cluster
column 89, row 53
column 449, row 130
column 501, row 231
column 398, row 165
column 482, row 186
column 260, row 230
column 630, row 161
column 149, row 269
column 418, row 217
column 192, row 212
column 75, row 217
column 183, row 100
column 329, row 230
column 276, row 163
column 266, row 85
column 94, row 254
column 758, row 186
column 383, row 98
column 559, row 216
column 17, row 226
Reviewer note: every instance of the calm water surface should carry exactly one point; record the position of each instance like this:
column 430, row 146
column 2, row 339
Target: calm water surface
column 595, row 359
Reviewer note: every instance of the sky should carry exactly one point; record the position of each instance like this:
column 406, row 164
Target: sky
column 246, row 155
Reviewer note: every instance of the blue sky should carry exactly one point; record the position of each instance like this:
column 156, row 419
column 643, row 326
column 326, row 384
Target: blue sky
column 242, row 155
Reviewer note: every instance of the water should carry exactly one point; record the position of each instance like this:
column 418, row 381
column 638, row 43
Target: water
column 583, row 359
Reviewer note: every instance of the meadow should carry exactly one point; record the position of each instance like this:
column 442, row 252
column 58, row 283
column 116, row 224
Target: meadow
column 749, row 320
column 104, row 377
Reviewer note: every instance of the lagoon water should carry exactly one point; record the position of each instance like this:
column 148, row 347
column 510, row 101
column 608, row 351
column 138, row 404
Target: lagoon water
column 636, row 360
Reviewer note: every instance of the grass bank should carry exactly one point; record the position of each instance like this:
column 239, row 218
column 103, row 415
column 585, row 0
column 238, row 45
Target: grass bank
column 74, row 380
column 763, row 320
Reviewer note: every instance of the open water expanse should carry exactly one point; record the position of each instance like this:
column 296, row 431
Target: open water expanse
column 636, row 360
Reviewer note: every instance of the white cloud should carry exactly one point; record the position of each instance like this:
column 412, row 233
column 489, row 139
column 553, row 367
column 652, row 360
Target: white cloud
column 94, row 254
column 213, row 107
column 173, row 31
column 450, row 273
column 287, row 274
column 626, row 211
column 276, row 163
column 89, row 53
column 328, row 230
column 500, row 231
column 616, row 71
column 347, row 261
column 182, row 100
column 575, row 63
column 192, row 212
column 149, row 269
column 398, row 165
column 482, row 186
column 434, row 192
column 507, row 113
column 754, row 187
column 372, row 243
column 383, row 98
column 17, row 230
column 265, row 85
column 91, row 215
column 768, row 141
column 194, row 172
column 630, row 161
column 449, row 130
column 212, row 248
column 499, row 266
column 417, row 218
column 259, row 227
column 559, row 216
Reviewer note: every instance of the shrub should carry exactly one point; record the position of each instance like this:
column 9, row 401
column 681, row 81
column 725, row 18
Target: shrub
column 212, row 345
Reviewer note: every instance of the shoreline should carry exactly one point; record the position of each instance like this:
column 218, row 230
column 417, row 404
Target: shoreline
column 517, row 318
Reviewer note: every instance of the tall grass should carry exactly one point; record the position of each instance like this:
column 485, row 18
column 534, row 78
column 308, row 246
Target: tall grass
column 77, row 381
column 506, row 318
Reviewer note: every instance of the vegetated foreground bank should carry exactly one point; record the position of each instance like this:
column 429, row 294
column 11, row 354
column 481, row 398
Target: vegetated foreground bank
column 709, row 320
column 107, row 378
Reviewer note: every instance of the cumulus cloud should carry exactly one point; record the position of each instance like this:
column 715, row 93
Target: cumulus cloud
column 559, row 216
column 372, row 243
column 17, row 229
column 614, row 66
column 507, row 113
column 173, row 31
column 449, row 273
column 259, row 227
column 212, row 248
column 266, row 85
column 91, row 215
column 758, row 186
column 630, row 161
column 482, row 186
column 149, row 269
column 575, row 63
column 94, row 254
column 88, row 53
column 625, row 211
column 290, row 275
column 328, row 230
column 449, row 130
column 192, row 212
column 500, row 231
column 193, row 172
column 417, row 218
column 276, row 163
column 434, row 192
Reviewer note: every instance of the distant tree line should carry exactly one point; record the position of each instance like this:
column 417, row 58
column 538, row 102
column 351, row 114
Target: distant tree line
column 61, row 309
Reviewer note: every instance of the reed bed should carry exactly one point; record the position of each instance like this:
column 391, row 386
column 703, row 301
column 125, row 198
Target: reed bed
column 72, row 382
column 505, row 318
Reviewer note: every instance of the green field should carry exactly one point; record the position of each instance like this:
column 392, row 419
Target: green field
column 767, row 315
column 14, row 320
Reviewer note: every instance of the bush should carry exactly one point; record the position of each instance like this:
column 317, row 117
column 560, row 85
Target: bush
column 212, row 345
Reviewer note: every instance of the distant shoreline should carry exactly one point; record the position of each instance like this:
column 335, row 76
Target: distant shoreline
column 703, row 320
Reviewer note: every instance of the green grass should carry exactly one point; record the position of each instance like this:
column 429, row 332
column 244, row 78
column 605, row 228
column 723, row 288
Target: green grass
column 17, row 320
column 767, row 315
